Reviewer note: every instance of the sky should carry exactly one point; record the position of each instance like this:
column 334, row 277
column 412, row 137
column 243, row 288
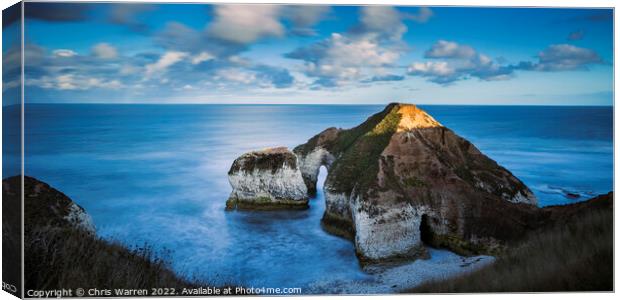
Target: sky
column 199, row 53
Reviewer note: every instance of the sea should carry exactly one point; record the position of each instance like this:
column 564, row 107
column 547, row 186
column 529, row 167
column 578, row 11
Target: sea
column 157, row 175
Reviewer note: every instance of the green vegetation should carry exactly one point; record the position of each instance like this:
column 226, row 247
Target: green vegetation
column 573, row 253
column 271, row 159
column 464, row 173
column 313, row 142
column 360, row 149
column 458, row 245
column 264, row 203
column 414, row 182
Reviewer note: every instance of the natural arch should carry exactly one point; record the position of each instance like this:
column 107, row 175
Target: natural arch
column 321, row 177
column 426, row 231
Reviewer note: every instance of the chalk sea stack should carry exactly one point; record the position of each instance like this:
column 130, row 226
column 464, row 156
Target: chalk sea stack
column 400, row 180
column 267, row 179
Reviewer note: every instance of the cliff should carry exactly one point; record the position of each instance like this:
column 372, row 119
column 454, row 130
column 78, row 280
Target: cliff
column 267, row 179
column 46, row 207
column 401, row 178
column 572, row 251
column 61, row 249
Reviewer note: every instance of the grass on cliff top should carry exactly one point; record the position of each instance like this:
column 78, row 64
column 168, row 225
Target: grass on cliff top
column 575, row 255
column 346, row 137
column 360, row 149
column 59, row 255
column 71, row 258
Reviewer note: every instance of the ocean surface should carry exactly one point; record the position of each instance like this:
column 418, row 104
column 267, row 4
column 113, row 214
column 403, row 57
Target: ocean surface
column 157, row 174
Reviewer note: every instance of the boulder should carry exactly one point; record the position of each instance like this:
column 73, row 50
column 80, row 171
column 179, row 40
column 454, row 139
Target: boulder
column 267, row 179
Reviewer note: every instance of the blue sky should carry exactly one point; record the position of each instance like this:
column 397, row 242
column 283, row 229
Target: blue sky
column 195, row 53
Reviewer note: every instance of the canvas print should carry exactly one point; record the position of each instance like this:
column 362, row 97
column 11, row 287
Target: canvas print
column 270, row 149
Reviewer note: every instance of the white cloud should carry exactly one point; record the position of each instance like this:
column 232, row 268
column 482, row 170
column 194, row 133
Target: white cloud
column 236, row 75
column 129, row 69
column 383, row 21
column 348, row 52
column 440, row 68
column 304, row 17
column 424, row 14
column 66, row 82
column 245, row 24
column 565, row 57
column 74, row 82
column 463, row 62
column 366, row 50
column 202, row 57
column 64, row 53
column 104, row 51
column 168, row 59
column 346, row 59
column 448, row 49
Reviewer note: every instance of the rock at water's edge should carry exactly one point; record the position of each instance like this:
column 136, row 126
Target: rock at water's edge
column 267, row 179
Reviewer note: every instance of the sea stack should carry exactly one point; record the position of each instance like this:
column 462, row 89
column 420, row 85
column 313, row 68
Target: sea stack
column 401, row 179
column 267, row 179
column 396, row 182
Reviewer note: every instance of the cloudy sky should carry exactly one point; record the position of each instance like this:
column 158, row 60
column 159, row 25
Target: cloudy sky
column 194, row 53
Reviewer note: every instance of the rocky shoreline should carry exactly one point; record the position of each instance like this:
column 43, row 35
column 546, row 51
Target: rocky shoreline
column 389, row 279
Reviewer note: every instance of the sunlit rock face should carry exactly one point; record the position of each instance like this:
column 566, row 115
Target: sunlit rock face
column 267, row 179
column 401, row 176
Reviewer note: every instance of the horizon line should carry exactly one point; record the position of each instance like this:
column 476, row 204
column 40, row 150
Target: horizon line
column 316, row 104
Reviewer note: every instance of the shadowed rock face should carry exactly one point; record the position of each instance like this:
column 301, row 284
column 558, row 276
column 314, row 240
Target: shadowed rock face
column 267, row 179
column 400, row 167
column 46, row 207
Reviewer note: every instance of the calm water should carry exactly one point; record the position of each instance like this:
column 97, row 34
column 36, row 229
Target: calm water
column 157, row 174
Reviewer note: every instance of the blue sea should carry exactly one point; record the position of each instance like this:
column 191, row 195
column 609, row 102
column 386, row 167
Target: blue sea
column 157, row 174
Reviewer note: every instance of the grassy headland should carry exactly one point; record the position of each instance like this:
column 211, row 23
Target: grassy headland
column 61, row 255
column 574, row 252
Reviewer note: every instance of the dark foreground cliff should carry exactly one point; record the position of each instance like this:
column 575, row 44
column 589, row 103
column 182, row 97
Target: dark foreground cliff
column 572, row 252
column 63, row 251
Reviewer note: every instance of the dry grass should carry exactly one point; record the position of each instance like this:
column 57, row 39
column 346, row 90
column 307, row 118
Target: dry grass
column 69, row 258
column 573, row 254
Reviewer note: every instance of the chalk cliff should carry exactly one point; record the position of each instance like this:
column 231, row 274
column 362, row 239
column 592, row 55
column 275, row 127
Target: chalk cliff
column 395, row 182
column 267, row 179
column 401, row 177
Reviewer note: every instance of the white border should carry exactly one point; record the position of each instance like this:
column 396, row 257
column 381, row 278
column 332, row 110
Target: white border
column 494, row 3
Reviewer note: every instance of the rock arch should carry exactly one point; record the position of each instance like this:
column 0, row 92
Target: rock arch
column 312, row 156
